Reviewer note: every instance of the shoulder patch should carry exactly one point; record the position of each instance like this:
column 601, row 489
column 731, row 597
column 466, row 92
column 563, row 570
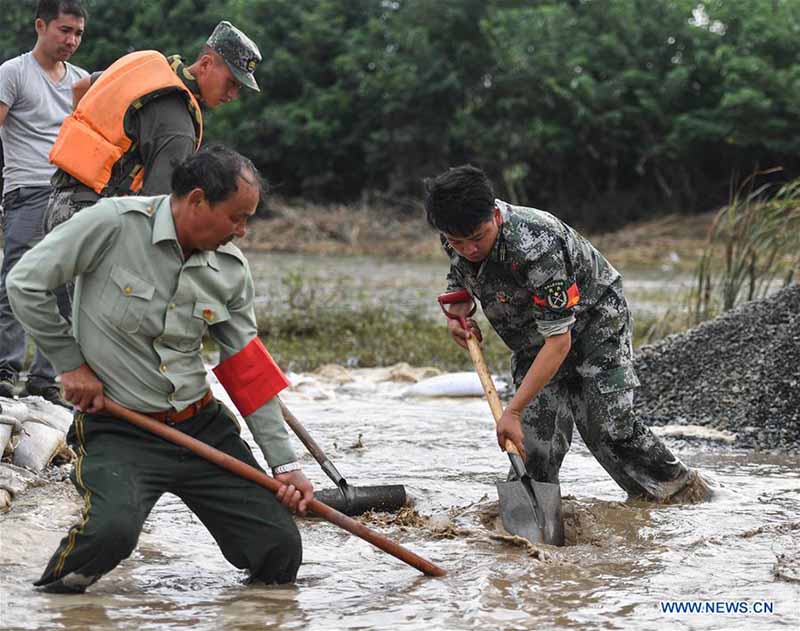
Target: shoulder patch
column 557, row 295
column 231, row 250
column 143, row 205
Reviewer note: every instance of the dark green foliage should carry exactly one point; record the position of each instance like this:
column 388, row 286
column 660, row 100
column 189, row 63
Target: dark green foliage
column 601, row 110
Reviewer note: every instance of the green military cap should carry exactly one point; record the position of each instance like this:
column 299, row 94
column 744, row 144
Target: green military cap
column 239, row 52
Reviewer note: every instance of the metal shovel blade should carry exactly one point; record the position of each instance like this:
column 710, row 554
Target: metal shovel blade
column 518, row 511
column 549, row 497
column 537, row 520
column 360, row 499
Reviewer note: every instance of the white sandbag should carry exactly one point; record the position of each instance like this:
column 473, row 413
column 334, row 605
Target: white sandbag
column 42, row 411
column 38, row 445
column 7, row 426
column 454, row 384
column 15, row 408
column 14, row 480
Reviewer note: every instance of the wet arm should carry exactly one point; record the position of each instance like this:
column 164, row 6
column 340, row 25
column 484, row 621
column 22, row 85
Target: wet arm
column 546, row 364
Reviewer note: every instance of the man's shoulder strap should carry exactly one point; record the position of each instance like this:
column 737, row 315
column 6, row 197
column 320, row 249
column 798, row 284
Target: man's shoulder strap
column 231, row 250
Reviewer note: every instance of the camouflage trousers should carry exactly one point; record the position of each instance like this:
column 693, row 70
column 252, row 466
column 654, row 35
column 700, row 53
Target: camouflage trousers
column 61, row 206
column 602, row 410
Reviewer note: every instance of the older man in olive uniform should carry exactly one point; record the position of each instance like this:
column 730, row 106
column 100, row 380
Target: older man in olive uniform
column 163, row 130
column 154, row 274
column 559, row 306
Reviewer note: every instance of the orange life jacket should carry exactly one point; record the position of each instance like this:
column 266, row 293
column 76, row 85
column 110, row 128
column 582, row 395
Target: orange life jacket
column 92, row 140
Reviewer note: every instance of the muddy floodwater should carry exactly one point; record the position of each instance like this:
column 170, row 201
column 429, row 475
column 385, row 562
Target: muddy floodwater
column 627, row 562
column 626, row 566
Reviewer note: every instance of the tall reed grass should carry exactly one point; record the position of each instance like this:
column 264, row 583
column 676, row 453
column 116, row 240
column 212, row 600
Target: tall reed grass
column 753, row 248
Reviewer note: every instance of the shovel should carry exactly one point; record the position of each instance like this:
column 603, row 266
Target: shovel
column 529, row 509
column 350, row 500
column 236, row 466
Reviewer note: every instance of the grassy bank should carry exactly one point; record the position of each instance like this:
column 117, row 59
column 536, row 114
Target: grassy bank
column 358, row 230
column 368, row 337
column 374, row 336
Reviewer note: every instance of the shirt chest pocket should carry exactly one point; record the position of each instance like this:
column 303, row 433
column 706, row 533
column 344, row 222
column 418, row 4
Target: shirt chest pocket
column 127, row 298
column 204, row 314
column 508, row 303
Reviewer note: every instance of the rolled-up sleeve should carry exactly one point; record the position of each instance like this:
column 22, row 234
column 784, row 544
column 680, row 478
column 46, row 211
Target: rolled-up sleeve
column 266, row 423
column 72, row 248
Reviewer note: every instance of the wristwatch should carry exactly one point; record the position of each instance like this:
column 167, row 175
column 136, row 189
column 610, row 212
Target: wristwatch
column 286, row 468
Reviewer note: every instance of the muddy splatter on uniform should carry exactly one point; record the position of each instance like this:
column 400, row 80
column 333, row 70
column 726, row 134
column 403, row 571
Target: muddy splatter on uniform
column 542, row 278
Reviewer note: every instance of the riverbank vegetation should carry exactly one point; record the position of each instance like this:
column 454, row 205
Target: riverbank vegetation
column 753, row 248
column 603, row 111
column 376, row 336
column 747, row 249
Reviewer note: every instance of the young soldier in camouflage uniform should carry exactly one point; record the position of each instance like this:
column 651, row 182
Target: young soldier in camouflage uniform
column 559, row 306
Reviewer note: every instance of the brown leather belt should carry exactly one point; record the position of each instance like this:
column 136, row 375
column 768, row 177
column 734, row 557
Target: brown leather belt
column 173, row 416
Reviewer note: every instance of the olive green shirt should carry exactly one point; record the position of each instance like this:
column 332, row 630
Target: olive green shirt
column 141, row 310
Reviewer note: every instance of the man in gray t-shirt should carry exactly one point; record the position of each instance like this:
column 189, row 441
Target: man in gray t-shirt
column 35, row 96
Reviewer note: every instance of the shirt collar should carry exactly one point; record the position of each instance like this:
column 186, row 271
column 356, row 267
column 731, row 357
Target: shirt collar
column 203, row 257
column 182, row 70
column 163, row 223
column 164, row 230
column 499, row 251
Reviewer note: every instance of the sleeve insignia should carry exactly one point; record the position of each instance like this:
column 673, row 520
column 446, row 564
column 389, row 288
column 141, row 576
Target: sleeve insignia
column 557, row 295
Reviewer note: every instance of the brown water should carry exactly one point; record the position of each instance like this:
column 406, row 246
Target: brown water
column 628, row 560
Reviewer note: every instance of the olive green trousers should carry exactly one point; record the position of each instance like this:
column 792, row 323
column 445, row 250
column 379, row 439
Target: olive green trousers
column 121, row 472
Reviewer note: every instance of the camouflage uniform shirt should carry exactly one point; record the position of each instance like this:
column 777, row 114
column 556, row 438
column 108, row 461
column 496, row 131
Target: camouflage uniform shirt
column 542, row 278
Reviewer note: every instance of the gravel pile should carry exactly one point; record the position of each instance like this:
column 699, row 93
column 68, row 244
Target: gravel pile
column 739, row 372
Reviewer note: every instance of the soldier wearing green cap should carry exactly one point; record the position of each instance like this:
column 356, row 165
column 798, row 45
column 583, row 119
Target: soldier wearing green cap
column 238, row 51
column 161, row 118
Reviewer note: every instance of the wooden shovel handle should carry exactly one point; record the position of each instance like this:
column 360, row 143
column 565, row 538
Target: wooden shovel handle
column 236, row 466
column 488, row 386
column 297, row 427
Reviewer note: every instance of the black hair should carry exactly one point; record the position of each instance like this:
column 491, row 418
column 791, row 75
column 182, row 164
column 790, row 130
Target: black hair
column 215, row 170
column 459, row 200
column 49, row 10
